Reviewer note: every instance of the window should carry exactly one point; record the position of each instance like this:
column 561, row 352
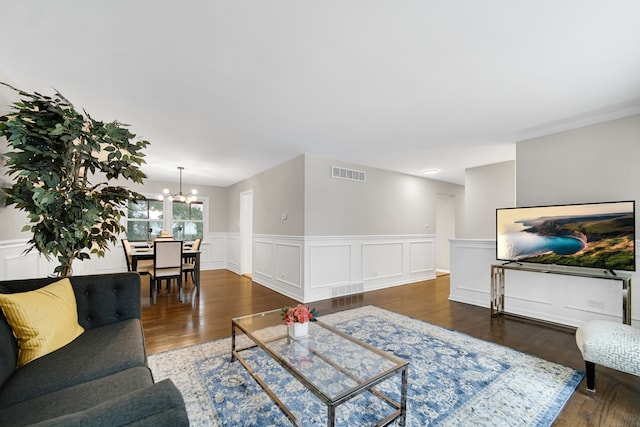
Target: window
column 147, row 218
column 144, row 219
column 187, row 220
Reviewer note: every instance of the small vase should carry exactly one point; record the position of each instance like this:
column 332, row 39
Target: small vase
column 299, row 330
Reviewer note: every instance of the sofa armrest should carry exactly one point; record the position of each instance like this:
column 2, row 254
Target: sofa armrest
column 103, row 299
column 158, row 405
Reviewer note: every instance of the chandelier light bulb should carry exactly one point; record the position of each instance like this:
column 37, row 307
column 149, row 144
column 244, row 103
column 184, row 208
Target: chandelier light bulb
column 189, row 198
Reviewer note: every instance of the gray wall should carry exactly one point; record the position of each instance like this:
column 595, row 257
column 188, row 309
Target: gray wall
column 11, row 220
column 596, row 163
column 276, row 191
column 7, row 96
column 387, row 203
column 487, row 188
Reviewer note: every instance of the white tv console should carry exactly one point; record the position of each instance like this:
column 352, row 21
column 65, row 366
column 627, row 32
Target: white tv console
column 498, row 283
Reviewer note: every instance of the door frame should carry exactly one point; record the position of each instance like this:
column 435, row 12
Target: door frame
column 246, row 232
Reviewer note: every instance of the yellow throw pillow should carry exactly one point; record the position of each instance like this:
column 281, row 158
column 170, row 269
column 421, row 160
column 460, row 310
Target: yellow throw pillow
column 43, row 320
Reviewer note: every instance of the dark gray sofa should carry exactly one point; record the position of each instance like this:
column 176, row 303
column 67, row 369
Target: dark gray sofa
column 99, row 379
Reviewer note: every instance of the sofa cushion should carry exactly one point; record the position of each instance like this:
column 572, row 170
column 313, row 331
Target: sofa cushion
column 157, row 405
column 43, row 320
column 76, row 398
column 96, row 353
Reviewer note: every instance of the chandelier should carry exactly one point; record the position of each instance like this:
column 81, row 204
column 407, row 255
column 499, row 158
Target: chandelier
column 188, row 198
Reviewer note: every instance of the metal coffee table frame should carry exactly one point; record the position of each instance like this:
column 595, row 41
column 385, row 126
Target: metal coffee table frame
column 400, row 367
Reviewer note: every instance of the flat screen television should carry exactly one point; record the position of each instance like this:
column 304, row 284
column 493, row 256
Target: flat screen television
column 591, row 235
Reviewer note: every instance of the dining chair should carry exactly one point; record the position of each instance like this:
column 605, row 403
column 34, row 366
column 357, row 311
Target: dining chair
column 143, row 266
column 167, row 265
column 189, row 265
column 164, row 235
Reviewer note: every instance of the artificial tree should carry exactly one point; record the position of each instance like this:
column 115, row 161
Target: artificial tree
column 55, row 155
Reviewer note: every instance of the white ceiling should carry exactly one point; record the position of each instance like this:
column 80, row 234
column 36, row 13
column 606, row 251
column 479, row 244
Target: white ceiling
column 231, row 88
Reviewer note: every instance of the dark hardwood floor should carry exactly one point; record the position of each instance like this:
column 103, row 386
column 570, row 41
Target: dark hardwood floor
column 170, row 324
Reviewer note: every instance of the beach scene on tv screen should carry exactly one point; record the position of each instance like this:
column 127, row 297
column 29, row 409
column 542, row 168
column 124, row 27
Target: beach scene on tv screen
column 591, row 235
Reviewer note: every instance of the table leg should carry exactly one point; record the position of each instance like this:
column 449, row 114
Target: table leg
column 233, row 342
column 497, row 290
column 331, row 416
column 196, row 273
column 403, row 398
column 626, row 301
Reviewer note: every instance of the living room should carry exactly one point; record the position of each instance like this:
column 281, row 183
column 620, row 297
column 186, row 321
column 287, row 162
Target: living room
column 316, row 238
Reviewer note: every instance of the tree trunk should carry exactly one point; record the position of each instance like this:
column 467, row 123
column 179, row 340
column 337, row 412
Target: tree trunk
column 66, row 269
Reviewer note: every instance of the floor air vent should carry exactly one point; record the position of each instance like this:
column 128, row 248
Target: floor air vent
column 354, row 288
column 350, row 174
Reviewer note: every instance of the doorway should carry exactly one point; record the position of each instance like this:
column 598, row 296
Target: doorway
column 445, row 230
column 246, row 233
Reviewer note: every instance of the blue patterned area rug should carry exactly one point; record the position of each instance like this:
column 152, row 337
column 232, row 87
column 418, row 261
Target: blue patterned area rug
column 454, row 380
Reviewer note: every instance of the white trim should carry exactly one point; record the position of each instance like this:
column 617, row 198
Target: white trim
column 16, row 243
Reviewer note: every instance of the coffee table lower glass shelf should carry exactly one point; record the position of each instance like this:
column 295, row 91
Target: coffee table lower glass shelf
column 334, row 366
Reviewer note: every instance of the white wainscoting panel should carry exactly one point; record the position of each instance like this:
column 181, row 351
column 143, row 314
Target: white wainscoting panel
column 278, row 264
column 420, row 254
column 288, row 265
column 215, row 245
column 233, row 252
column 213, row 251
column 382, row 261
column 567, row 300
column 16, row 264
column 263, row 265
column 329, row 265
column 470, row 271
column 344, row 265
column 112, row 262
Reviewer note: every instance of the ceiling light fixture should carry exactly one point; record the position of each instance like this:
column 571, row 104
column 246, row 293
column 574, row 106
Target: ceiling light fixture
column 188, row 198
column 430, row 171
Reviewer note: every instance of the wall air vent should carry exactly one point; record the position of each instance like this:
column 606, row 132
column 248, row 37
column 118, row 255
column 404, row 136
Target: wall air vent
column 350, row 174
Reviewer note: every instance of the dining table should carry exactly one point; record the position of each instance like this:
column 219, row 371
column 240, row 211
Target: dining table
column 143, row 252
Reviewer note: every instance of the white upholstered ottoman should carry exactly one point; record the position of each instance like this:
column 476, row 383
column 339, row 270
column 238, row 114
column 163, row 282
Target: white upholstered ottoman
column 610, row 344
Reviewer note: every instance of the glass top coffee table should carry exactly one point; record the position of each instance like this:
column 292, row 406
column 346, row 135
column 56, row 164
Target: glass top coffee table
column 331, row 364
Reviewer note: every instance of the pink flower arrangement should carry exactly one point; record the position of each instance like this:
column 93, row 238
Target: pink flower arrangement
column 298, row 314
